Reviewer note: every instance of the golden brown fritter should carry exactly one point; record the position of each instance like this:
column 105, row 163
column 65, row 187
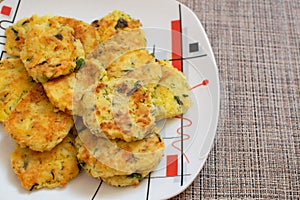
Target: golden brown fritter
column 60, row 92
column 120, row 109
column 95, row 155
column 117, row 45
column 51, row 50
column 35, row 124
column 48, row 169
column 128, row 63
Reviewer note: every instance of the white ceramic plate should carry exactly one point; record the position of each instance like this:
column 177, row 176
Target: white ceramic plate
column 180, row 166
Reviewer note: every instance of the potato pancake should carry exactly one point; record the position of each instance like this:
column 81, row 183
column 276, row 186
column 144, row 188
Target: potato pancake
column 141, row 156
column 35, row 124
column 48, row 169
column 60, row 92
column 51, row 50
column 129, row 62
column 120, row 109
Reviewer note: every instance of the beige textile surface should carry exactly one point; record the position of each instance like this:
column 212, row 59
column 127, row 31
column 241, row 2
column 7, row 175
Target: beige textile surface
column 256, row 153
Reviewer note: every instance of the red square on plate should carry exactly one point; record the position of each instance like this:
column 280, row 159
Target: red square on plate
column 5, row 10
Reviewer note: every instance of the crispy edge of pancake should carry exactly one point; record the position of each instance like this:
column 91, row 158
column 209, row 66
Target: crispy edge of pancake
column 35, row 124
column 50, row 169
column 133, row 179
column 15, row 83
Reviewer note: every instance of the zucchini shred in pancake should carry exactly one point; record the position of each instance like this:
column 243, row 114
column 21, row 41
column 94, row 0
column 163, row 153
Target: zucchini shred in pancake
column 98, row 76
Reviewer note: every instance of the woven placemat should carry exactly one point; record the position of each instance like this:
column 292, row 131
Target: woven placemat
column 256, row 154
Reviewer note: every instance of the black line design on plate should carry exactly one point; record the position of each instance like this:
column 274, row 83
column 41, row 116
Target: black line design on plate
column 3, row 52
column 149, row 176
column 148, row 186
column 153, row 51
column 189, row 58
column 171, row 138
column 96, row 192
column 181, row 117
column 2, row 36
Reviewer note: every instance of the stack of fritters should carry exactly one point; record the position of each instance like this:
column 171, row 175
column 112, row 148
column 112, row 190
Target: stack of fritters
column 98, row 74
column 38, row 130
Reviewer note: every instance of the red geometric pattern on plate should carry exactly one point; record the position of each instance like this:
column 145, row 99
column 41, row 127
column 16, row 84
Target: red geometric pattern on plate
column 190, row 123
column 203, row 83
column 176, row 44
column 185, row 136
column 172, row 165
column 6, row 10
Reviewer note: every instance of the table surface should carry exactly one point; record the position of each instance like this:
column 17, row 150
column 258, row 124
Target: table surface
column 256, row 152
